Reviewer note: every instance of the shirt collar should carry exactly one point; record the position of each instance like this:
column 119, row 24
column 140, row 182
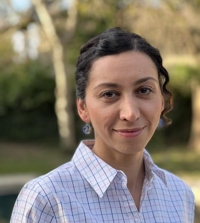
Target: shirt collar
column 99, row 174
column 151, row 168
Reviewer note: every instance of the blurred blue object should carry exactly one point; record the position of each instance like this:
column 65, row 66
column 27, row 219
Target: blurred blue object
column 161, row 123
column 10, row 185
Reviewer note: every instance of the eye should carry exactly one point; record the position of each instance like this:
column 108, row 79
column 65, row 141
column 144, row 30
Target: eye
column 109, row 94
column 144, row 91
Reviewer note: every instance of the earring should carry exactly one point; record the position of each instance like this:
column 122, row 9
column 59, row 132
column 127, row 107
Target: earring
column 161, row 123
column 87, row 128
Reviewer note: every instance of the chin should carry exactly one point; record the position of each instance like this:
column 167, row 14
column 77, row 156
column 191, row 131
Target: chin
column 130, row 150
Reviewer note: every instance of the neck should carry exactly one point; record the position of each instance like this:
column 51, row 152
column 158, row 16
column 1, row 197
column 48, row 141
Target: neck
column 131, row 164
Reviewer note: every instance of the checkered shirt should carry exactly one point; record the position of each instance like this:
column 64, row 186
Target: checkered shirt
column 88, row 190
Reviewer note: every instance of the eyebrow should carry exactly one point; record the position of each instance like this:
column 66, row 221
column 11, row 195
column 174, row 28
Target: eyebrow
column 113, row 85
column 140, row 81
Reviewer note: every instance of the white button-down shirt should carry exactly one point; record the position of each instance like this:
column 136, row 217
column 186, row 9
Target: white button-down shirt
column 88, row 190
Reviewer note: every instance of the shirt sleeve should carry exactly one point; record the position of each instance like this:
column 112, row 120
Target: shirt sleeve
column 31, row 206
column 190, row 208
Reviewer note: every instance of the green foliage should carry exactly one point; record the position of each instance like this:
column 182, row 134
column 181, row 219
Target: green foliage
column 27, row 102
column 93, row 18
column 25, row 87
column 181, row 75
column 181, row 115
column 38, row 125
column 194, row 3
column 6, row 51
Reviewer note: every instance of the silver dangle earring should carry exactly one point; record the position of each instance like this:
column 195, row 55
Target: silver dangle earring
column 87, row 128
column 160, row 124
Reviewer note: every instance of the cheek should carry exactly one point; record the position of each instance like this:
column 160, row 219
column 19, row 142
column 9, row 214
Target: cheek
column 101, row 115
column 153, row 110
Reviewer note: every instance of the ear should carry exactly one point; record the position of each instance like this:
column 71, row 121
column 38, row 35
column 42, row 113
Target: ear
column 82, row 110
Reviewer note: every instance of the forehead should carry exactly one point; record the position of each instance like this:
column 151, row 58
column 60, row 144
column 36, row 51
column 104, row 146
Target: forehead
column 127, row 64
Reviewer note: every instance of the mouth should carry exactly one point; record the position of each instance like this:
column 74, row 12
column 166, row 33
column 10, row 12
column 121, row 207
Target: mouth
column 130, row 133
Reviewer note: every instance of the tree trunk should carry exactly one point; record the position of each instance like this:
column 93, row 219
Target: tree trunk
column 194, row 142
column 63, row 109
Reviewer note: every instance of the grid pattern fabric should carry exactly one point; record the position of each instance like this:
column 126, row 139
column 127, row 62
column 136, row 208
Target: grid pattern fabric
column 88, row 190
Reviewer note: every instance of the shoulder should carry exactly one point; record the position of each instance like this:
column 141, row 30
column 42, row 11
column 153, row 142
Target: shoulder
column 162, row 176
column 173, row 193
column 175, row 181
column 57, row 178
column 40, row 198
column 177, row 186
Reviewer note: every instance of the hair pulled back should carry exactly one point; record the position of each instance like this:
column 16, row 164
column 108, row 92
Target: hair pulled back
column 115, row 41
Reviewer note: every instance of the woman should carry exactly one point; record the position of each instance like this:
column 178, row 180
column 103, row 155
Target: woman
column 121, row 91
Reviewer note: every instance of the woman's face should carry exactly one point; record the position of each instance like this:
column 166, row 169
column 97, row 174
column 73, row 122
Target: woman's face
column 123, row 102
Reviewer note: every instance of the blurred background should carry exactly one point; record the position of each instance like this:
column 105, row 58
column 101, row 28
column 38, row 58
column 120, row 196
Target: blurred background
column 39, row 45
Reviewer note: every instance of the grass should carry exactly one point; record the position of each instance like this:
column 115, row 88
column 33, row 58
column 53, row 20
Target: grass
column 30, row 158
column 178, row 161
column 26, row 158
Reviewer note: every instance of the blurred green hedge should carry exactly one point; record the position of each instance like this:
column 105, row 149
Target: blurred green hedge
column 27, row 102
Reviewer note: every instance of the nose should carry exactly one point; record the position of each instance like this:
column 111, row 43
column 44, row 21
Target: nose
column 129, row 110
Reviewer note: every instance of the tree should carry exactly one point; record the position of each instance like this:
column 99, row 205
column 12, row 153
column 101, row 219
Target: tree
column 192, row 27
column 46, row 10
column 194, row 32
column 62, row 92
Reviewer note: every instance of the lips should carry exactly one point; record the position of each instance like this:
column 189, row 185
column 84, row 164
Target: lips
column 129, row 133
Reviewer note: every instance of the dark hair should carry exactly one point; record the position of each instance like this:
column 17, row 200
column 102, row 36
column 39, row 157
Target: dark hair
column 115, row 41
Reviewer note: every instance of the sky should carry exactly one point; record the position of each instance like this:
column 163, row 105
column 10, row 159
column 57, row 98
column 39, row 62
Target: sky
column 21, row 5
